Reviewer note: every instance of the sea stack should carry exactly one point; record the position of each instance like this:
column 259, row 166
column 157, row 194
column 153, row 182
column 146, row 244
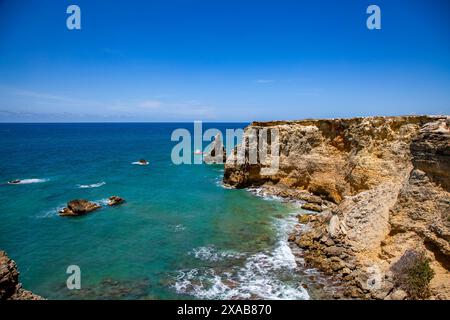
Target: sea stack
column 217, row 153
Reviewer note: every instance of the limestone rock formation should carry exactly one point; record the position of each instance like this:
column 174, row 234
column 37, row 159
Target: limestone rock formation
column 216, row 153
column 10, row 288
column 115, row 200
column 79, row 207
column 383, row 184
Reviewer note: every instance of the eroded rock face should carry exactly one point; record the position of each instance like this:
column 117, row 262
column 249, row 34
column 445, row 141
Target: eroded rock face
column 10, row 288
column 216, row 153
column 333, row 158
column 384, row 183
column 79, row 207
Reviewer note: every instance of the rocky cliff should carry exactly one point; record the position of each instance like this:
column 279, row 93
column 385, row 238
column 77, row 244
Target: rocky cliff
column 382, row 187
column 10, row 288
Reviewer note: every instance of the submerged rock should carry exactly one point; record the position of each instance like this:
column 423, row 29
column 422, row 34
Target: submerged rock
column 10, row 288
column 216, row 153
column 79, row 207
column 115, row 200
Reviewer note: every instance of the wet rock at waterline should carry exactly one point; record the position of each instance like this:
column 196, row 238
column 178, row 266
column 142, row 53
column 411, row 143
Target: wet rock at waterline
column 115, row 200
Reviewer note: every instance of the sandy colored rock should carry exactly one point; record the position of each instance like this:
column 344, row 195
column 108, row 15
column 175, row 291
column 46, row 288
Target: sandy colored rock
column 115, row 200
column 79, row 207
column 383, row 183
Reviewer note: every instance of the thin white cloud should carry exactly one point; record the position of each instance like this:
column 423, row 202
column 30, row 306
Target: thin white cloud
column 54, row 106
column 314, row 92
column 265, row 81
column 40, row 95
column 150, row 104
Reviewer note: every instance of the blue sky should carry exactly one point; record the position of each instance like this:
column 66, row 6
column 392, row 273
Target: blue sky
column 222, row 60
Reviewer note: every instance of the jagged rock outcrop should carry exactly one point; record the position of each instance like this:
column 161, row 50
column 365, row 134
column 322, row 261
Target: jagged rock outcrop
column 216, row 153
column 10, row 288
column 78, row 207
column 384, row 183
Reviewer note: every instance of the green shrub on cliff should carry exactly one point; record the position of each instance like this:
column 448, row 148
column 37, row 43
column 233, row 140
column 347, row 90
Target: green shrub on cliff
column 412, row 273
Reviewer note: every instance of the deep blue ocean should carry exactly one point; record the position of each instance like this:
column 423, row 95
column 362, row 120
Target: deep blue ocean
column 180, row 234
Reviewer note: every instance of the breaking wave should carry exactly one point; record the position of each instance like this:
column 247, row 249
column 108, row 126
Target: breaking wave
column 209, row 253
column 264, row 275
column 179, row 228
column 260, row 193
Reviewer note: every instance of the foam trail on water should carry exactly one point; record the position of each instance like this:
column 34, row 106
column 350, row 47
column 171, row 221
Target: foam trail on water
column 29, row 181
column 139, row 163
column 88, row 186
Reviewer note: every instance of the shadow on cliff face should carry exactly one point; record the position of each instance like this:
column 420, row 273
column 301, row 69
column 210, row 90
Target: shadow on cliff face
column 431, row 152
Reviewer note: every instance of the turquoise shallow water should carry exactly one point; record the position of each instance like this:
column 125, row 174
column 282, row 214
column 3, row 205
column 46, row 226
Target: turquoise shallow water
column 180, row 234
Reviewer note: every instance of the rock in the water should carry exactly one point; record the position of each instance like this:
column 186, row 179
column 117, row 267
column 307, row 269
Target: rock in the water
column 10, row 288
column 79, row 207
column 383, row 182
column 312, row 207
column 216, row 153
column 115, row 200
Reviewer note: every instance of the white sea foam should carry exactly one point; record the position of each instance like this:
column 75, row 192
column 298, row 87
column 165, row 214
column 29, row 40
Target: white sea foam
column 261, row 277
column 88, row 186
column 220, row 183
column 261, row 193
column 29, row 181
column 179, row 228
column 139, row 163
column 53, row 212
column 210, row 253
column 102, row 202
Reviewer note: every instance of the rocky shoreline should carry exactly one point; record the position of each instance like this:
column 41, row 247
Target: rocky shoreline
column 378, row 193
column 10, row 287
